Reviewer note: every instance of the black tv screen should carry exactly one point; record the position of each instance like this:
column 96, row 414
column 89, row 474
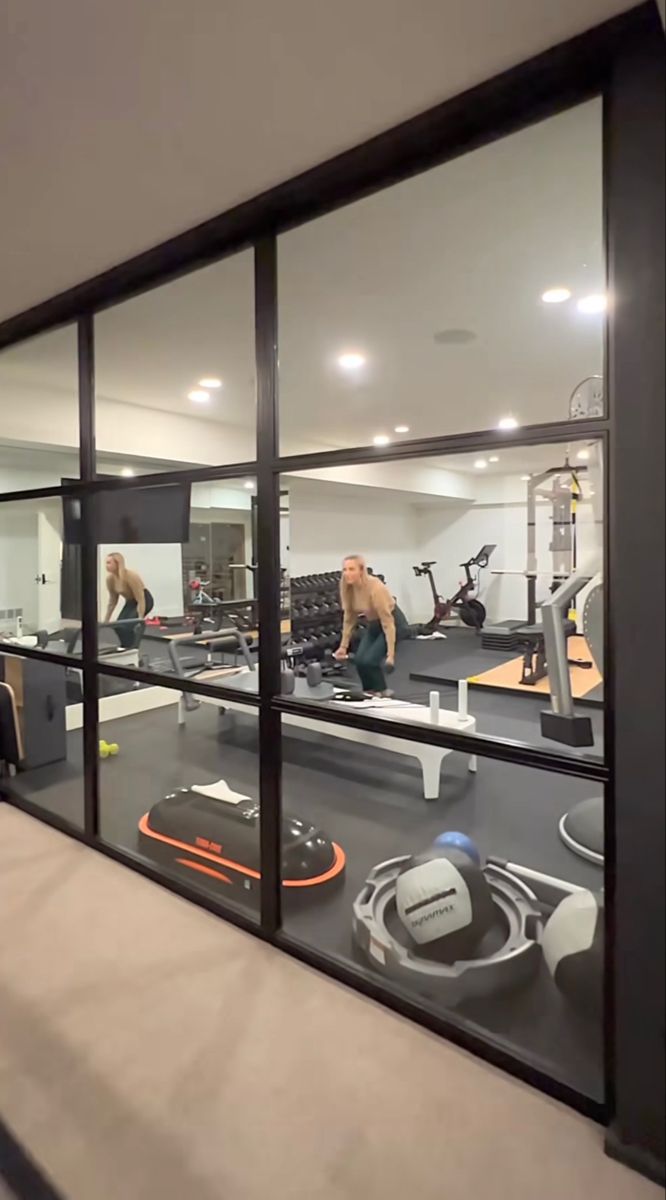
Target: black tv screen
column 148, row 516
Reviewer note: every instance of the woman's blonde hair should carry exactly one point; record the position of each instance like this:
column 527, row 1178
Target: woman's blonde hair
column 346, row 589
column 119, row 560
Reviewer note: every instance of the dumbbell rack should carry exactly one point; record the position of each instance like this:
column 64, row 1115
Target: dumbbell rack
column 316, row 615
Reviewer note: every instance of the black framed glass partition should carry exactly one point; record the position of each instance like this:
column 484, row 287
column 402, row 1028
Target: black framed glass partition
column 175, row 374
column 383, row 915
column 474, row 553
column 179, row 787
column 338, row 642
column 39, row 436
column 468, row 297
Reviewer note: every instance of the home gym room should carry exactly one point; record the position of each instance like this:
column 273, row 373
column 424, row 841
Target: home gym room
column 494, row 556
column 371, row 803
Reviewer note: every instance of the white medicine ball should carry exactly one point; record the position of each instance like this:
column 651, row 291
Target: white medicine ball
column 573, row 947
column 433, row 900
column 444, row 902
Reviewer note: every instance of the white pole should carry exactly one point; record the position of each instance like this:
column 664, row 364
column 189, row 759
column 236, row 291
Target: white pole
column 462, row 698
column 434, row 708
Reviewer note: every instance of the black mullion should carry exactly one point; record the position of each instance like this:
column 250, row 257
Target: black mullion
column 174, row 683
column 634, row 147
column 454, row 443
column 45, row 493
column 268, row 557
column 500, row 749
column 61, row 660
column 86, row 362
column 204, row 474
column 86, row 349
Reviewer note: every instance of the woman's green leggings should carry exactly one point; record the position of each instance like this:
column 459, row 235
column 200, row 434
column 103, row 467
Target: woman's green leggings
column 372, row 649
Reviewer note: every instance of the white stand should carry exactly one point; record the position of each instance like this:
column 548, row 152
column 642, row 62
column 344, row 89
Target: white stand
column 429, row 757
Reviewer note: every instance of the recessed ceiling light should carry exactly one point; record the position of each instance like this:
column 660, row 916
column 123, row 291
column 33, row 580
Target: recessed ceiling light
column 351, row 361
column 494, row 458
column 211, row 382
column 401, row 429
column 381, row 440
column 525, row 478
column 127, row 473
column 556, row 295
column 596, row 303
column 481, row 464
column 249, row 483
column 583, row 455
column 507, row 423
column 198, row 397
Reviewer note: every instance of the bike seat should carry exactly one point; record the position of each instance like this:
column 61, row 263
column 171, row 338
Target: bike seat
column 429, row 564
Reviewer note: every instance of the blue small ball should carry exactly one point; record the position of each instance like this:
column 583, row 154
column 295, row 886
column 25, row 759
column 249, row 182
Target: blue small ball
column 460, row 841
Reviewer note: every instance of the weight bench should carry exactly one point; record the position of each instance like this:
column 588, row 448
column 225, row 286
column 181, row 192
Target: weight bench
column 533, row 643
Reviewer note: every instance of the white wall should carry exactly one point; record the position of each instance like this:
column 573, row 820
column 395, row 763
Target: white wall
column 452, row 541
column 49, row 418
column 452, row 537
column 413, row 478
column 324, row 529
column 395, row 533
column 18, row 562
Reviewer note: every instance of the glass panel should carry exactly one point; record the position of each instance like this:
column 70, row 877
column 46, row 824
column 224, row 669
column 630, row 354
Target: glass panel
column 179, row 786
column 176, row 580
column 470, row 561
column 39, row 403
column 466, row 298
column 411, row 893
column 40, row 583
column 41, row 722
column 175, row 374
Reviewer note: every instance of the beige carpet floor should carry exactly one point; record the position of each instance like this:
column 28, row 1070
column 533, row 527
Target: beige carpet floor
column 149, row 1051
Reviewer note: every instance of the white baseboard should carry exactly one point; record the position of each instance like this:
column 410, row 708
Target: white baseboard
column 126, row 704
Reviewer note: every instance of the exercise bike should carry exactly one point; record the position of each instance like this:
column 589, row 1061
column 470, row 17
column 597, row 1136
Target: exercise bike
column 200, row 597
column 465, row 602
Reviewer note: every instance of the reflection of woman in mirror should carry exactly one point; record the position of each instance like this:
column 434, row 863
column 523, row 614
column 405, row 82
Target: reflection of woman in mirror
column 364, row 595
column 123, row 583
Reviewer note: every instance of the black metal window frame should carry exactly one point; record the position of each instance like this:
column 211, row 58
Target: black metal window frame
column 595, row 64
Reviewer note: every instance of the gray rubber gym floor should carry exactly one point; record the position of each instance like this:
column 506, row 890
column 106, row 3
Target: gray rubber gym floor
column 372, row 804
column 462, row 655
column 498, row 714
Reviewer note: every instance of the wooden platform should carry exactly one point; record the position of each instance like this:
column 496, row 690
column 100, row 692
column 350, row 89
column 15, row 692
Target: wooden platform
column 507, row 676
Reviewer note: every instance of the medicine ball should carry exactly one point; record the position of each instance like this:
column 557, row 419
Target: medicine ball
column 573, row 947
column 460, row 841
column 444, row 902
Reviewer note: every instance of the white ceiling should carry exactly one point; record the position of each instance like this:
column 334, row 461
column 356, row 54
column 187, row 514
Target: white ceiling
column 471, row 244
column 125, row 123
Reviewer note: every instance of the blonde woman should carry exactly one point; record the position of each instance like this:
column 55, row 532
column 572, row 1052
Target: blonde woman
column 363, row 595
column 122, row 583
